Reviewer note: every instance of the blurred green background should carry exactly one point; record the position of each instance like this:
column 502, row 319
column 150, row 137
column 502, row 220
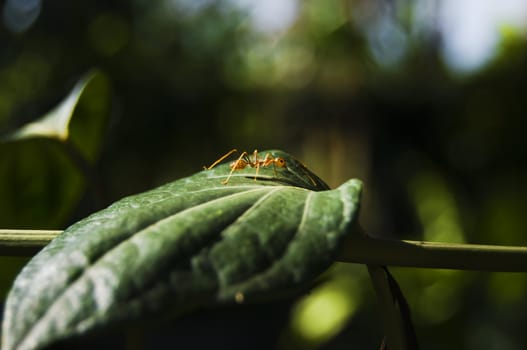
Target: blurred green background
column 423, row 100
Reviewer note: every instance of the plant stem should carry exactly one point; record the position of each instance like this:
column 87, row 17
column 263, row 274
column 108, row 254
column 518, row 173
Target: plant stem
column 359, row 248
column 24, row 242
column 377, row 251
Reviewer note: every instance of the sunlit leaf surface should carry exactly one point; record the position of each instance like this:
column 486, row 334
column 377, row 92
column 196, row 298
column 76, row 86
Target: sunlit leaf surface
column 80, row 118
column 192, row 242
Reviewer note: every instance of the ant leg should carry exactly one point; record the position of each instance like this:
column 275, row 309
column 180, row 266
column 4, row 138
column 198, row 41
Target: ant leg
column 238, row 164
column 257, row 163
column 221, row 159
column 270, row 160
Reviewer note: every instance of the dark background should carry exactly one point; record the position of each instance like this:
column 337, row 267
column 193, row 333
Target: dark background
column 366, row 89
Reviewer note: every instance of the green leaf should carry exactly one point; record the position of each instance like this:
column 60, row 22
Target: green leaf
column 193, row 242
column 44, row 165
column 79, row 119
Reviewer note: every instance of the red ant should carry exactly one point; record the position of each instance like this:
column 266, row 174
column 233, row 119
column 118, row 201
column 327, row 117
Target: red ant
column 244, row 161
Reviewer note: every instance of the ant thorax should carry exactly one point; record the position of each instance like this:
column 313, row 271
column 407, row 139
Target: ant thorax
column 244, row 161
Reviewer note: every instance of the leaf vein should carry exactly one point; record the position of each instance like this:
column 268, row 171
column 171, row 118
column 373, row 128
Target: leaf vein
column 90, row 266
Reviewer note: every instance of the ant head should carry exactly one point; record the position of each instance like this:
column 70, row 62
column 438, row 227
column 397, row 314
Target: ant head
column 279, row 162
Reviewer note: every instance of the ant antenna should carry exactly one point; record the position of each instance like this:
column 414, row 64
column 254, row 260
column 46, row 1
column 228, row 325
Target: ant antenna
column 221, row 159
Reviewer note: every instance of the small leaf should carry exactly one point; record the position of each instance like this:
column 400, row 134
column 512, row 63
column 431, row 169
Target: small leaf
column 43, row 165
column 80, row 118
column 193, row 242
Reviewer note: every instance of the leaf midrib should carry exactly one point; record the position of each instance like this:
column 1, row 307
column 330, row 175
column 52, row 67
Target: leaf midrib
column 94, row 262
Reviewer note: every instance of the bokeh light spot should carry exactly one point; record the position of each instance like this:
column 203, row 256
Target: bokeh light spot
column 437, row 209
column 19, row 15
column 471, row 29
column 271, row 15
column 323, row 313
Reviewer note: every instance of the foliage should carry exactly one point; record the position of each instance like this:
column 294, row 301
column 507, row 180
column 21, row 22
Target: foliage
column 189, row 243
column 437, row 151
column 45, row 165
